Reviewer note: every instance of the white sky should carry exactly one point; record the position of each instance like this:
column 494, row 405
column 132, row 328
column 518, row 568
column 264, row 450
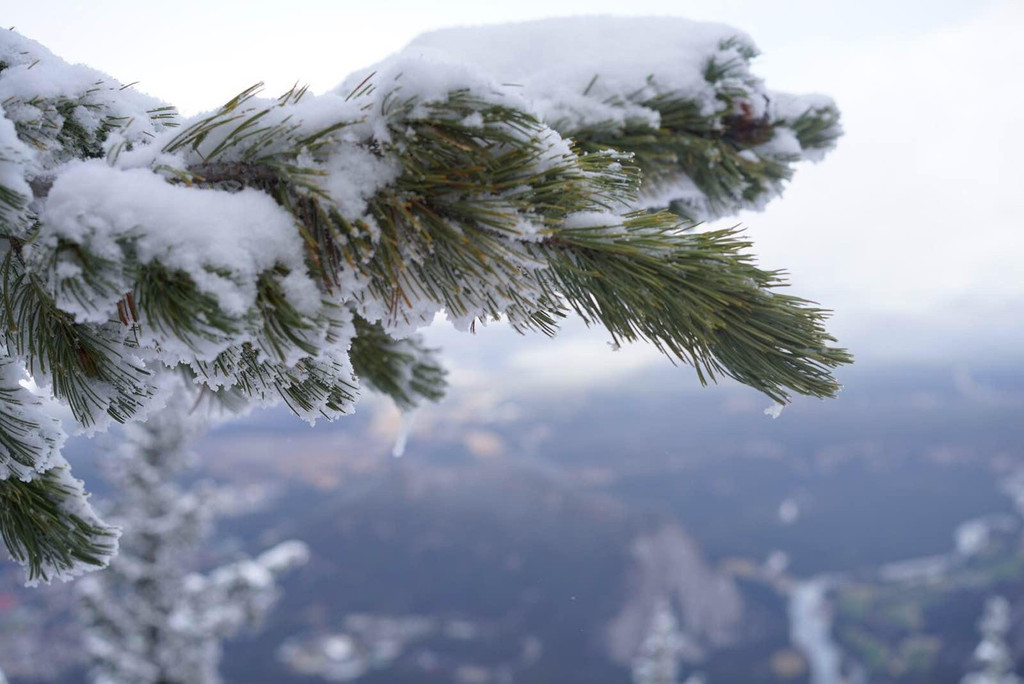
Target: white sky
column 911, row 230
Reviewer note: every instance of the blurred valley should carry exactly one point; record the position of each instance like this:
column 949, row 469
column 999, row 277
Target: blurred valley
column 541, row 537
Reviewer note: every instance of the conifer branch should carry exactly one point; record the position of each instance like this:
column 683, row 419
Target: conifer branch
column 285, row 250
column 85, row 365
column 404, row 370
column 45, row 521
column 699, row 298
column 43, row 529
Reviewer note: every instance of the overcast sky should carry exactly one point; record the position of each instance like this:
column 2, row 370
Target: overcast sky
column 911, row 230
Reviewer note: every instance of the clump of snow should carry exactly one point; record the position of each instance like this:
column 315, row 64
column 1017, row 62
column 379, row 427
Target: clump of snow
column 223, row 240
column 607, row 72
column 427, row 76
column 354, row 175
column 587, row 70
column 14, row 156
column 35, row 81
column 783, row 145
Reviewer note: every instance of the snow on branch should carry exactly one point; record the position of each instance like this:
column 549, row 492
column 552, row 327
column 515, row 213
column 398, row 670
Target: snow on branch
column 679, row 95
column 287, row 249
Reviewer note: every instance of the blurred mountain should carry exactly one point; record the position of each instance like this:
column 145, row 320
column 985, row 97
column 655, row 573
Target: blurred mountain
column 531, row 537
column 533, row 565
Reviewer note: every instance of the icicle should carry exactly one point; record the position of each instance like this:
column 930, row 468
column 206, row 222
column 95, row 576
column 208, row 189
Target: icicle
column 402, row 438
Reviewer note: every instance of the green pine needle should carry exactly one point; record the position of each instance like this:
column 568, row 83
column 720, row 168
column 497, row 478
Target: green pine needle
column 699, row 298
column 42, row 534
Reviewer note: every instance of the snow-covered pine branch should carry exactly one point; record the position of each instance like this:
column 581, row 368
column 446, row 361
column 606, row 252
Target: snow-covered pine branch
column 288, row 249
column 678, row 95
